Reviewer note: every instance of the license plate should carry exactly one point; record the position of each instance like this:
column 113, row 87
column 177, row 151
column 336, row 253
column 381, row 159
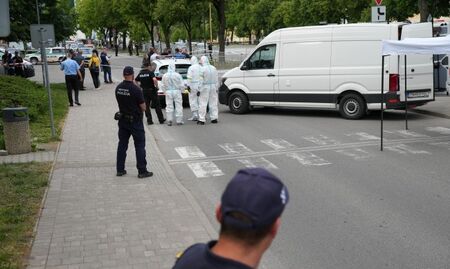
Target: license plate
column 418, row 94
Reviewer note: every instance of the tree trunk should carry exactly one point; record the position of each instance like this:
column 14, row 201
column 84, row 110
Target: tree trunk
column 424, row 10
column 152, row 36
column 220, row 7
column 124, row 41
column 250, row 37
column 166, row 32
column 232, row 35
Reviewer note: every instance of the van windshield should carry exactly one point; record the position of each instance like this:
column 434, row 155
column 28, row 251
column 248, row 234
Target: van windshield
column 263, row 58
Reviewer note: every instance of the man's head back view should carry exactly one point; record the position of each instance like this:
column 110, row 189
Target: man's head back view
column 249, row 217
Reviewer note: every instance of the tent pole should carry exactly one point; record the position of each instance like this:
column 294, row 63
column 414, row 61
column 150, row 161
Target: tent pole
column 382, row 101
column 406, row 95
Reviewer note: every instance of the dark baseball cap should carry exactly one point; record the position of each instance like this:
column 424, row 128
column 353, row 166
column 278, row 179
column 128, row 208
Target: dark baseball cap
column 257, row 194
column 128, row 70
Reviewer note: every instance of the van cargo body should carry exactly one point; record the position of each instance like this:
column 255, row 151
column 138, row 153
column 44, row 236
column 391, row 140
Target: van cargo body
column 330, row 67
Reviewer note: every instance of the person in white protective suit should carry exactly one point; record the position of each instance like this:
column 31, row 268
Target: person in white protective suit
column 172, row 84
column 194, row 83
column 208, row 92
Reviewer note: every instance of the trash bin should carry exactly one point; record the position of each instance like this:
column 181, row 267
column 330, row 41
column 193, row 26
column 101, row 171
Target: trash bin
column 16, row 130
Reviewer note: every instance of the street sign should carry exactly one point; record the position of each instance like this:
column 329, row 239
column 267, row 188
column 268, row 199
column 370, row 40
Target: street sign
column 5, row 24
column 48, row 35
column 378, row 2
column 379, row 14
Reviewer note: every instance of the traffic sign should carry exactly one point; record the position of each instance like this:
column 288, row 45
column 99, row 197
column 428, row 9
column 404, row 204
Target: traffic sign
column 379, row 14
column 378, row 2
column 42, row 34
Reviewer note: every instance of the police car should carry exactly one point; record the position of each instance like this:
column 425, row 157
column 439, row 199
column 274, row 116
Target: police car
column 181, row 66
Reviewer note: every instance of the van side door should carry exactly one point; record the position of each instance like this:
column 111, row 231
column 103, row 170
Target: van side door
column 261, row 75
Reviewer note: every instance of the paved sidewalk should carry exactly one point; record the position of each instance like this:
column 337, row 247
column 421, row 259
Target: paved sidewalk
column 93, row 219
column 39, row 156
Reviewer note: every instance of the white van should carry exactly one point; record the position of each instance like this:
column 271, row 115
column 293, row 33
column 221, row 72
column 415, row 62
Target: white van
column 329, row 67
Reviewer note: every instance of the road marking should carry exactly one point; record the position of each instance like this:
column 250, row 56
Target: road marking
column 311, row 149
column 205, row 169
column 308, row 159
column 404, row 149
column 189, row 152
column 235, row 148
column 277, row 144
column 258, row 162
column 442, row 144
column 362, row 136
column 356, row 154
column 439, row 129
column 321, row 140
column 407, row 133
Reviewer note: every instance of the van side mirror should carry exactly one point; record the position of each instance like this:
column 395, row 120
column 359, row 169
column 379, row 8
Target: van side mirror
column 245, row 66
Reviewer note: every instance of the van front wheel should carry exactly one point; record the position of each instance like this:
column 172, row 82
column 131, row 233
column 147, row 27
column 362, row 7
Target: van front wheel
column 352, row 106
column 238, row 103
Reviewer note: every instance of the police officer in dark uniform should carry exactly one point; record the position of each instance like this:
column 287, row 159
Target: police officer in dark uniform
column 148, row 84
column 131, row 106
column 249, row 216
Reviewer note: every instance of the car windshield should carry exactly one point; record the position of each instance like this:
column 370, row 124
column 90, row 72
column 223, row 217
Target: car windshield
column 86, row 51
column 180, row 68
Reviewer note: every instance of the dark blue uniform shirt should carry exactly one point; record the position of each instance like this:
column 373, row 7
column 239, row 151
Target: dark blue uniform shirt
column 145, row 77
column 200, row 256
column 129, row 96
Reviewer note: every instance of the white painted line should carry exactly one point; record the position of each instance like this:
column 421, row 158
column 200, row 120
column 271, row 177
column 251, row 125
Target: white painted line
column 205, row 169
column 439, row 129
column 362, row 136
column 258, row 162
column 189, row 152
column 356, row 154
column 404, row 149
column 321, row 140
column 442, row 144
column 235, row 148
column 308, row 159
column 408, row 134
column 277, row 144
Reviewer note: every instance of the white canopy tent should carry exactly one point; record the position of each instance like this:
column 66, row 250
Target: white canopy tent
column 429, row 46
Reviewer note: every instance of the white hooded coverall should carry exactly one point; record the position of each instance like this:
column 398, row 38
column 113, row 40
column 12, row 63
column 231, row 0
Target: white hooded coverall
column 194, row 82
column 173, row 85
column 208, row 90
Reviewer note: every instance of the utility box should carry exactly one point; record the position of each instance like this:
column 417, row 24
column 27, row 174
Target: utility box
column 16, row 130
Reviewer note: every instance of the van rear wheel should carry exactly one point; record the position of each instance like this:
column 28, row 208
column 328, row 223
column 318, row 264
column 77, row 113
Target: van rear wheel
column 352, row 106
column 238, row 103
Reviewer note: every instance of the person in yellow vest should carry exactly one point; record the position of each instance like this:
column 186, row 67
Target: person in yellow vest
column 94, row 68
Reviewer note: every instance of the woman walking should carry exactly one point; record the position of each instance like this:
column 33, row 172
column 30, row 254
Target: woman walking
column 94, row 68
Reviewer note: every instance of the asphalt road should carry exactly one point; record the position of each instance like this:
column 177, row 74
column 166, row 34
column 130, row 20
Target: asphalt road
column 352, row 205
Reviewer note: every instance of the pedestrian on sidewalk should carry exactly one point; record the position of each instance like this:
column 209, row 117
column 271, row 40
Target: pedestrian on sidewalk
column 172, row 84
column 149, row 83
column 79, row 58
column 249, row 217
column 131, row 107
column 208, row 92
column 72, row 76
column 94, row 68
column 106, row 66
column 194, row 82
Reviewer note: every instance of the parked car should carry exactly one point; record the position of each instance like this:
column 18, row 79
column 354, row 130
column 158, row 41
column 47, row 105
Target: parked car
column 181, row 66
column 54, row 55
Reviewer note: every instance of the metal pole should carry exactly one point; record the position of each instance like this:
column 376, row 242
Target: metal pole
column 406, row 95
column 37, row 11
column 382, row 101
column 46, row 81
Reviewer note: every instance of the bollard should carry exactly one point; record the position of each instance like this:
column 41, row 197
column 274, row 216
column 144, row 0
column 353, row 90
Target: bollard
column 16, row 130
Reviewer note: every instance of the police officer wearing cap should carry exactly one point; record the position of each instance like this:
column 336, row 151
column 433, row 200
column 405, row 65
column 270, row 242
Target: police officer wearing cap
column 148, row 84
column 131, row 107
column 249, row 216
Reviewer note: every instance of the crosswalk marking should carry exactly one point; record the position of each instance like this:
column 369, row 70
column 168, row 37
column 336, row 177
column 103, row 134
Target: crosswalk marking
column 439, row 129
column 235, row 148
column 407, row 134
column 404, row 149
column 356, row 154
column 321, row 140
column 257, row 162
column 362, row 136
column 308, row 159
column 277, row 144
column 205, row 169
column 189, row 152
column 442, row 144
